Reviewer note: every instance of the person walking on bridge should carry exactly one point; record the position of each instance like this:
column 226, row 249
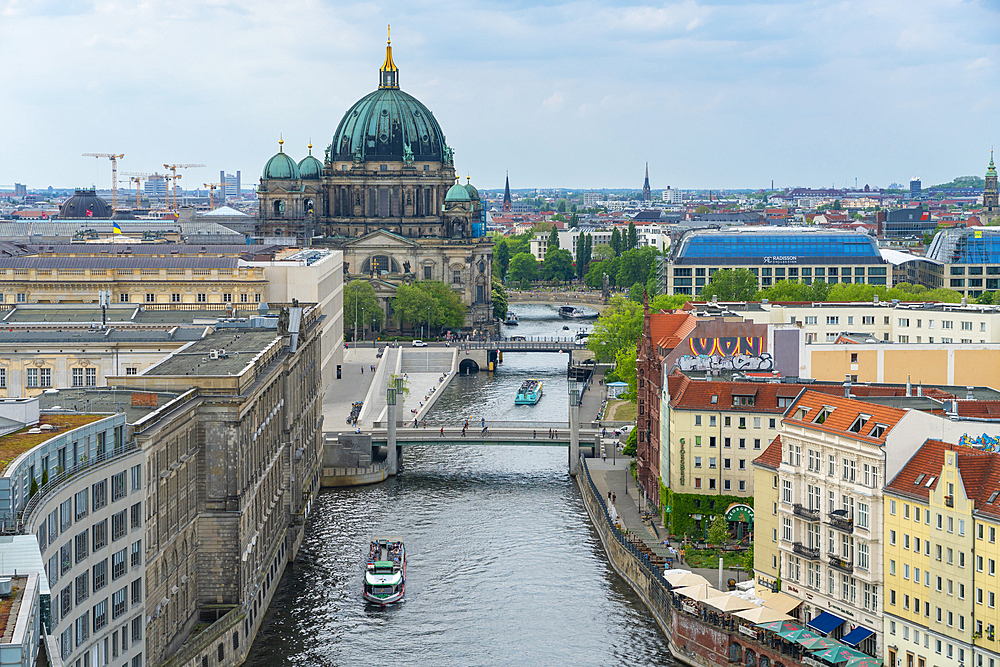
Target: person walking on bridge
column 442, row 430
column 484, row 422
column 484, row 430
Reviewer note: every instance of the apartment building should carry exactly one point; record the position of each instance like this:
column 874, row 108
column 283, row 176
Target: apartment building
column 837, row 452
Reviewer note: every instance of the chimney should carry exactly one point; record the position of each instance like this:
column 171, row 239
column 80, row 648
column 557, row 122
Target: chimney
column 875, row 300
column 969, row 395
column 954, row 406
column 920, row 390
column 909, row 387
column 715, row 298
column 847, row 387
column 965, row 301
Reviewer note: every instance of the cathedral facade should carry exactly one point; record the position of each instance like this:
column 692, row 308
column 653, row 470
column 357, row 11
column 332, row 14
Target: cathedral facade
column 387, row 194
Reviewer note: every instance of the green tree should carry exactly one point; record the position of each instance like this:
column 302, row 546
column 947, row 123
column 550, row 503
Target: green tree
column 524, row 268
column 836, row 205
column 558, row 265
column 499, row 297
column 616, row 241
column 601, row 253
column 594, row 279
column 361, row 305
column 633, row 237
column 33, row 489
column 718, row 532
column 617, row 328
column 553, row 241
column 636, row 292
column 428, row 303
column 573, row 209
column 669, row 302
column 631, row 443
column 581, row 260
column 501, row 254
column 653, row 286
column 987, row 298
column 45, row 476
column 574, row 221
column 701, row 210
column 636, row 265
column 625, row 371
column 561, row 206
column 746, row 561
column 820, row 289
column 731, row 285
column 788, row 290
column 588, row 250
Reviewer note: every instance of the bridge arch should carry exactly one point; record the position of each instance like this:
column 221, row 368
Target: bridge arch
column 467, row 366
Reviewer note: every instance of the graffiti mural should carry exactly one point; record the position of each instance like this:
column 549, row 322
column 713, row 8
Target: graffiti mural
column 728, row 346
column 716, row 362
column 985, row 442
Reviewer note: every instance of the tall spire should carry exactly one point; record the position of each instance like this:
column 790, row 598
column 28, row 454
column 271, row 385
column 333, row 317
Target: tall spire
column 388, row 74
column 646, row 193
column 507, row 204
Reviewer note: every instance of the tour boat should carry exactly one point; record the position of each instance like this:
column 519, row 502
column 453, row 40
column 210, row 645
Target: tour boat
column 511, row 320
column 529, row 393
column 574, row 313
column 385, row 573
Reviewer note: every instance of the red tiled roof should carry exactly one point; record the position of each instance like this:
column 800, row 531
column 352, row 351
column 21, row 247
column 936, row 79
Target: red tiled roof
column 668, row 329
column 981, row 409
column 844, row 414
column 771, row 458
column 980, row 474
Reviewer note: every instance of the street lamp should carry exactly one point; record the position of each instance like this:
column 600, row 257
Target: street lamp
column 356, row 313
column 428, row 321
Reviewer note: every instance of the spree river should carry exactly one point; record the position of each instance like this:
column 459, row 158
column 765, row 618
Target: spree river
column 504, row 567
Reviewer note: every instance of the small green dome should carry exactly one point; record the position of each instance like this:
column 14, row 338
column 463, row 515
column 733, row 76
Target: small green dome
column 281, row 166
column 457, row 192
column 473, row 192
column 310, row 168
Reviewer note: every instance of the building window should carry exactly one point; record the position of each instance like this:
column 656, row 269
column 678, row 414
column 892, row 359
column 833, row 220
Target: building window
column 123, row 298
column 91, row 374
column 202, row 297
column 119, row 603
column 175, row 297
column 22, row 297
column 150, row 298
column 77, row 377
column 243, row 298
column 256, row 297
column 118, row 565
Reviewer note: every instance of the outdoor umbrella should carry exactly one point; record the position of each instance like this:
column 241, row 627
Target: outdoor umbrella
column 839, row 655
column 780, row 625
column 697, row 593
column 729, row 603
column 681, row 579
column 799, row 635
column 762, row 615
column 866, row 661
column 819, row 643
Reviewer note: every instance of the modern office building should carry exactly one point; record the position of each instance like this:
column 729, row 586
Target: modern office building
column 908, row 223
column 915, row 189
column 774, row 254
column 970, row 258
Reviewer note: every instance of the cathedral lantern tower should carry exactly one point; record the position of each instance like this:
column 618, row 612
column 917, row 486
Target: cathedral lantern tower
column 991, row 196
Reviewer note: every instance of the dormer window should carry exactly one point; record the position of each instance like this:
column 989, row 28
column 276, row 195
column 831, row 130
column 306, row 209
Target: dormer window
column 715, row 399
column 878, row 430
column 823, row 414
column 993, row 496
column 801, row 413
column 859, row 423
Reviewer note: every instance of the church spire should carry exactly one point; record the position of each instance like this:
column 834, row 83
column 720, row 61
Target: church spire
column 646, row 193
column 507, row 204
column 388, row 74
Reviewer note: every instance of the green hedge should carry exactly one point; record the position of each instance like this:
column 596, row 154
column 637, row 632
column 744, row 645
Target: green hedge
column 683, row 505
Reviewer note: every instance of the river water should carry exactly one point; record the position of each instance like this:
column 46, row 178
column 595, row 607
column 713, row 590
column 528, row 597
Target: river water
column 504, row 567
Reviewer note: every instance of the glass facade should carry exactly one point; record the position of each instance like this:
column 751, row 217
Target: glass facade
column 804, row 247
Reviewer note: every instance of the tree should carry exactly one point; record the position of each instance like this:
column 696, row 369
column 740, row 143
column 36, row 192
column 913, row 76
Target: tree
column 45, row 476
column 631, row 443
column 636, row 292
column 746, row 561
column 499, row 295
column 33, row 489
column 429, row 303
column 602, row 252
column 669, row 301
column 617, row 328
column 558, row 265
column 987, row 298
column 616, row 242
column 624, row 371
column 524, row 268
column 836, row 205
column 581, row 260
column 701, row 210
column 633, row 237
column 636, row 265
column 361, row 305
column 573, row 209
column 561, row 206
column 731, row 285
column 501, row 254
column 553, row 241
column 594, row 279
column 588, row 250
column 718, row 532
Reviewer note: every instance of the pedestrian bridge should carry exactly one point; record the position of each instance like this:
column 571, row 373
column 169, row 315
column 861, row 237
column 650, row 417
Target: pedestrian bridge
column 531, row 435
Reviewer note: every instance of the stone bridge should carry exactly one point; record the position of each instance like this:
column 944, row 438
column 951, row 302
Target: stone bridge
column 593, row 299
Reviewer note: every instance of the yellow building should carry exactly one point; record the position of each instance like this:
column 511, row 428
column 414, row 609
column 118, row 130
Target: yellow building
column 766, row 558
column 972, row 364
column 940, row 562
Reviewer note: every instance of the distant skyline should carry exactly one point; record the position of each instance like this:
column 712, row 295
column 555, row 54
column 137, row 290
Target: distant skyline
column 712, row 94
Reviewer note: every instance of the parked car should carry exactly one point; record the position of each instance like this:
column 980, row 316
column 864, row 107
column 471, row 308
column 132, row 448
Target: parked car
column 381, row 351
column 517, row 338
column 419, row 343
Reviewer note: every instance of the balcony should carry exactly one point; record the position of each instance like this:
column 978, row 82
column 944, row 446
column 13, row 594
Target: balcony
column 841, row 564
column 805, row 552
column 949, row 501
column 841, row 520
column 805, row 513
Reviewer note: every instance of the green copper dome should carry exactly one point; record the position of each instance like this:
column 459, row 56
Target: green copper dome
column 310, row 168
column 473, row 192
column 281, row 166
column 457, row 192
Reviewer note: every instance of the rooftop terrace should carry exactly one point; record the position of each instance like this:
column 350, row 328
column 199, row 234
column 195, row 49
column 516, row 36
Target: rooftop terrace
column 15, row 444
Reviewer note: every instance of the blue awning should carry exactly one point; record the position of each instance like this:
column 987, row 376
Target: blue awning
column 825, row 622
column 856, row 636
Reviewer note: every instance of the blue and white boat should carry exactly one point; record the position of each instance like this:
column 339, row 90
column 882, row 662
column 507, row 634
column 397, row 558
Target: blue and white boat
column 529, row 393
column 385, row 572
column 511, row 320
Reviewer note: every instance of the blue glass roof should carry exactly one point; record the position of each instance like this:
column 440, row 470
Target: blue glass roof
column 966, row 246
column 780, row 248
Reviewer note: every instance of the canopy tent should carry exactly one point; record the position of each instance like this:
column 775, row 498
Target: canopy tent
column 819, row 643
column 864, row 662
column 838, row 655
column 782, row 602
column 729, row 603
column 857, row 635
column 680, row 579
column 796, row 635
column 698, row 593
column 762, row 615
column 825, row 623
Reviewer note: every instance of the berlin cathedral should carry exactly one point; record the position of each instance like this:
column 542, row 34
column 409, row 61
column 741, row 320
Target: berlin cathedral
column 388, row 196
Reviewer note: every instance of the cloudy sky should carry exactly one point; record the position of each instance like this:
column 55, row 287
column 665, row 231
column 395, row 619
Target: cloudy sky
column 712, row 94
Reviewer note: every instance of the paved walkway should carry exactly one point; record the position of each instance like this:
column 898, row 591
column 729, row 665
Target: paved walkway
column 353, row 386
column 612, row 475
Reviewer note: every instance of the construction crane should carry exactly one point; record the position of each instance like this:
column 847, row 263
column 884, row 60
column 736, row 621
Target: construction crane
column 211, row 188
column 137, row 177
column 173, row 170
column 114, row 173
